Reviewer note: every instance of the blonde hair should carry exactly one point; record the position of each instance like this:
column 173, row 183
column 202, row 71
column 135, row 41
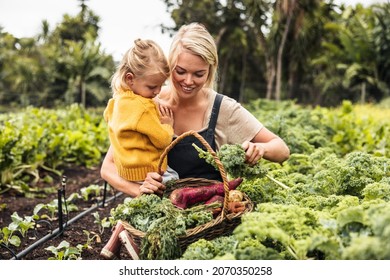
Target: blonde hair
column 195, row 39
column 144, row 58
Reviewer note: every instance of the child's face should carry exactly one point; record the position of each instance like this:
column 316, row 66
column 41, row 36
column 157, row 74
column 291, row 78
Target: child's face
column 147, row 86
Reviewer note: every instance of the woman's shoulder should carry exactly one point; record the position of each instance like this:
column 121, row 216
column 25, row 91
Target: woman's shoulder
column 227, row 103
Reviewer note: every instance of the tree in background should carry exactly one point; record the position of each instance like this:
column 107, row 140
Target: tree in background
column 349, row 58
column 312, row 51
column 84, row 68
column 381, row 35
column 63, row 66
column 252, row 38
column 287, row 45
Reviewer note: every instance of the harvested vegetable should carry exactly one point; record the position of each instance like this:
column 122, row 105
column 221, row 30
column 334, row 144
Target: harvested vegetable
column 162, row 223
column 216, row 198
column 235, row 196
column 232, row 157
column 236, row 206
column 188, row 196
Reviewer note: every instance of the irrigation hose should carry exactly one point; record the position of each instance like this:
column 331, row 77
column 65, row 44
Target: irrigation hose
column 57, row 230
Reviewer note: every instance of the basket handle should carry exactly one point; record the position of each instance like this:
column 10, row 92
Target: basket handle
column 211, row 151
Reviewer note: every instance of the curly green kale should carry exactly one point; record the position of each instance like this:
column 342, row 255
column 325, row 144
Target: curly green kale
column 204, row 249
column 377, row 190
column 232, row 157
column 372, row 243
column 162, row 223
column 349, row 175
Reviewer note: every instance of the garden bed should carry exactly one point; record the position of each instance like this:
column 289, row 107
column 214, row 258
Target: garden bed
column 77, row 177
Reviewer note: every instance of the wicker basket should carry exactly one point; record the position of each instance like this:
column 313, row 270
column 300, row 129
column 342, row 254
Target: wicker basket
column 223, row 224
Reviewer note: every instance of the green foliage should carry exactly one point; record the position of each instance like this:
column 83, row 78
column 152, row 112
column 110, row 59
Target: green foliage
column 162, row 223
column 65, row 252
column 19, row 224
column 102, row 223
column 349, row 175
column 36, row 139
column 199, row 250
column 232, row 157
column 58, row 66
column 337, row 203
column 90, row 191
column 51, row 208
column 377, row 190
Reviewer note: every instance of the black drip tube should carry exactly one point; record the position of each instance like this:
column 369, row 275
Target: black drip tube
column 58, row 231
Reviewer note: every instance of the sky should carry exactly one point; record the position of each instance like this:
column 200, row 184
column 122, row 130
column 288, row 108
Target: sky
column 122, row 21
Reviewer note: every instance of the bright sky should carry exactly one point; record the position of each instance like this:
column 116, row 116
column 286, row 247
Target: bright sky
column 122, row 21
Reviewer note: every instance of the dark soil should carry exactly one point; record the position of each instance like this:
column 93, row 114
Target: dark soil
column 76, row 178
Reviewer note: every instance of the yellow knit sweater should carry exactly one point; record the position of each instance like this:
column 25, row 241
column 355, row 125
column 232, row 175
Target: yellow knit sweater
column 136, row 134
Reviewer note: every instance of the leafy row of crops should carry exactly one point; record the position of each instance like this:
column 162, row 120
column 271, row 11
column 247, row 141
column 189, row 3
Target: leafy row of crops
column 37, row 139
column 338, row 202
column 337, row 205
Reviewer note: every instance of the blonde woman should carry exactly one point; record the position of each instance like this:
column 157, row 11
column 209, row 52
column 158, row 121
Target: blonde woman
column 196, row 106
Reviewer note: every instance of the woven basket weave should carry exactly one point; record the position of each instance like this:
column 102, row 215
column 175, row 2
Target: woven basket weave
column 223, row 224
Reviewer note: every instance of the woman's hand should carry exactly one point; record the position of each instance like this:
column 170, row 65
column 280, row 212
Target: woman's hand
column 253, row 151
column 152, row 184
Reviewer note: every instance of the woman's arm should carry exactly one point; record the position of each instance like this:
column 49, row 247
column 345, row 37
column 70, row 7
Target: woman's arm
column 108, row 172
column 266, row 145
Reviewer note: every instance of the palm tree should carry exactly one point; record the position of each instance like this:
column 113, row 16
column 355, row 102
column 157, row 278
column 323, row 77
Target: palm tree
column 351, row 56
column 86, row 66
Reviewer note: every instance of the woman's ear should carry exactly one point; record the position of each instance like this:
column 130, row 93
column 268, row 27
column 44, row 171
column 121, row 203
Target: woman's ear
column 129, row 78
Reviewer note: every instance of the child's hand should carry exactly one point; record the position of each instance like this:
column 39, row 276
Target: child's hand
column 166, row 115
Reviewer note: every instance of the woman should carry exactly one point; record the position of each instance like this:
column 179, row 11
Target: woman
column 196, row 106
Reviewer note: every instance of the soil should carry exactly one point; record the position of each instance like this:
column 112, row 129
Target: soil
column 74, row 232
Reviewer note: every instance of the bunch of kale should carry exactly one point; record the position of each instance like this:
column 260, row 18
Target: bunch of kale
column 232, row 157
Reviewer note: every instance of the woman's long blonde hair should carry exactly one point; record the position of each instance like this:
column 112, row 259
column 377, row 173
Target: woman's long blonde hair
column 195, row 39
column 144, row 58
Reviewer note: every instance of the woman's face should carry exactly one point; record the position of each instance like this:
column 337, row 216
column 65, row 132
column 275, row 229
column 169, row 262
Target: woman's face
column 190, row 74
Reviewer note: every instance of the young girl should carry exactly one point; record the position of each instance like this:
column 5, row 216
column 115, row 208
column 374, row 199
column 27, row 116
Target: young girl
column 137, row 133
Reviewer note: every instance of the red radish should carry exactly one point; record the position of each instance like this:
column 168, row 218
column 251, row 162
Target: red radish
column 188, row 196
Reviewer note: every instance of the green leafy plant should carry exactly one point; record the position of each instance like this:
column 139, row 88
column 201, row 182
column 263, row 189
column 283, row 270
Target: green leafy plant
column 91, row 238
column 90, row 191
column 18, row 224
column 8, row 237
column 22, row 224
column 232, row 157
column 52, row 207
column 162, row 223
column 65, row 252
column 102, row 223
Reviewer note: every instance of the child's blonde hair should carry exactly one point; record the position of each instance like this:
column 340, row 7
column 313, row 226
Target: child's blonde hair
column 144, row 58
column 195, row 39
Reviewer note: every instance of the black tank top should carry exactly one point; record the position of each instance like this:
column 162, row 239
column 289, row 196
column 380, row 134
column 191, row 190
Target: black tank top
column 183, row 157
